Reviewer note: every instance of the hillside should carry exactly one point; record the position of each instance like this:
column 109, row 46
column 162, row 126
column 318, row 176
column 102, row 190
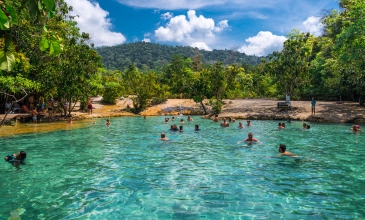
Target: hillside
column 155, row 56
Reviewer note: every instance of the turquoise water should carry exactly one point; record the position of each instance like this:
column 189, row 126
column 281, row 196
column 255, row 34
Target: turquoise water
column 125, row 172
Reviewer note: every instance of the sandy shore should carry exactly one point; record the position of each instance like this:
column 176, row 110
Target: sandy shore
column 254, row 109
column 260, row 109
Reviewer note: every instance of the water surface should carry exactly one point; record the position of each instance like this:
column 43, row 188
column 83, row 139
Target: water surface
column 125, row 172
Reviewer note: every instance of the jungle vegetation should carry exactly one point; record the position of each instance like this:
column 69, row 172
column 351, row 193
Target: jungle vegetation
column 42, row 52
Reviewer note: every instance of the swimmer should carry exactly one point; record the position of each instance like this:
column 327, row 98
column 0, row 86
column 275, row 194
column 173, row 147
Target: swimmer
column 304, row 126
column 216, row 119
column 144, row 117
column 182, row 121
column 233, row 120
column 181, row 128
column 240, row 125
column 107, row 122
column 189, row 118
column 173, row 118
column 196, row 128
column 281, row 125
column 163, row 137
column 284, row 152
column 250, row 138
column 225, row 123
column 249, row 123
column 356, row 128
column 70, row 120
column 20, row 156
column 173, row 127
column 308, row 127
column 289, row 120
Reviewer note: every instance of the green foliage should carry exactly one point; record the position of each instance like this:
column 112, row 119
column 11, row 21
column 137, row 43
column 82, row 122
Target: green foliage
column 112, row 91
column 216, row 105
column 150, row 56
column 9, row 19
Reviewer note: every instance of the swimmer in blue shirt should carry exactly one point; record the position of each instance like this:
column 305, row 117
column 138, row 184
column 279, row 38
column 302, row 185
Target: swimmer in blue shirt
column 20, row 156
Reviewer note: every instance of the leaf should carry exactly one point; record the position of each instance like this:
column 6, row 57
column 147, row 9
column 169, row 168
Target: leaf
column 55, row 48
column 50, row 4
column 33, row 8
column 13, row 14
column 3, row 20
column 44, row 44
column 7, row 60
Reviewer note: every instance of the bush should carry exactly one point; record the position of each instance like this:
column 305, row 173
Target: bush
column 112, row 91
column 158, row 100
column 216, row 105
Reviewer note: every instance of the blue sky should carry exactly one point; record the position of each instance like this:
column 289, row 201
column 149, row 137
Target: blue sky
column 255, row 27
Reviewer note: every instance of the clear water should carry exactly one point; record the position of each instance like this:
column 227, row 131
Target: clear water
column 125, row 172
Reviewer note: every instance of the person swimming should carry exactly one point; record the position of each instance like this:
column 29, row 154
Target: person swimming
column 196, row 128
column 356, row 128
column 250, row 138
column 181, row 128
column 281, row 125
column 284, row 152
column 225, row 123
column 107, row 122
column 240, row 125
column 19, row 157
column 216, row 119
column 163, row 137
column 190, row 118
column 249, row 123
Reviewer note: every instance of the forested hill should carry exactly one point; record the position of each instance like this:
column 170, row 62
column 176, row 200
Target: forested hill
column 155, row 56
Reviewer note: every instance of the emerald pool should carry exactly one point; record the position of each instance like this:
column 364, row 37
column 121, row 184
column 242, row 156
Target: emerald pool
column 125, row 171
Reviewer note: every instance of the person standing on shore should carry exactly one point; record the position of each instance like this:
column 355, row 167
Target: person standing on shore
column 34, row 114
column 90, row 106
column 313, row 102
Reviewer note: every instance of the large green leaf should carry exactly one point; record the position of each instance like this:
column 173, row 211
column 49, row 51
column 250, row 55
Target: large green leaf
column 13, row 14
column 55, row 48
column 4, row 21
column 44, row 44
column 7, row 60
column 49, row 4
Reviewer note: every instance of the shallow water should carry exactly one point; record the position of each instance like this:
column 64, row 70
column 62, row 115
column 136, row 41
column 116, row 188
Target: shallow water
column 125, row 172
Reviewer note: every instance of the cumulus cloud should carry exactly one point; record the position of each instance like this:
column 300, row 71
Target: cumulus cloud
column 313, row 25
column 263, row 44
column 201, row 45
column 221, row 26
column 93, row 19
column 166, row 16
column 190, row 30
column 147, row 40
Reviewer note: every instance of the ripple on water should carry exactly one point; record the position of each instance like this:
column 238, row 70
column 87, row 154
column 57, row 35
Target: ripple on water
column 124, row 171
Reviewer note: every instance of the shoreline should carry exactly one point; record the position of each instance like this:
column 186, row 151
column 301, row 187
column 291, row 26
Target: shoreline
column 242, row 109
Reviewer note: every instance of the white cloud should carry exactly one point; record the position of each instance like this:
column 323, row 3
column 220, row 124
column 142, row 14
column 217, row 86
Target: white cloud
column 146, row 40
column 313, row 25
column 263, row 44
column 93, row 20
column 167, row 16
column 201, row 45
column 191, row 30
column 221, row 26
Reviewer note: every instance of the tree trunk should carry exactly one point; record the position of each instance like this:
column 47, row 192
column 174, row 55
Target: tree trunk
column 205, row 110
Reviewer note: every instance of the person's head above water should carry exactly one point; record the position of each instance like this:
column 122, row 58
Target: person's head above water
column 163, row 135
column 282, row 148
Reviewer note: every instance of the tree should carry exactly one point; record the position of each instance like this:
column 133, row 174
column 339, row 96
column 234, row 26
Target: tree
column 291, row 65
